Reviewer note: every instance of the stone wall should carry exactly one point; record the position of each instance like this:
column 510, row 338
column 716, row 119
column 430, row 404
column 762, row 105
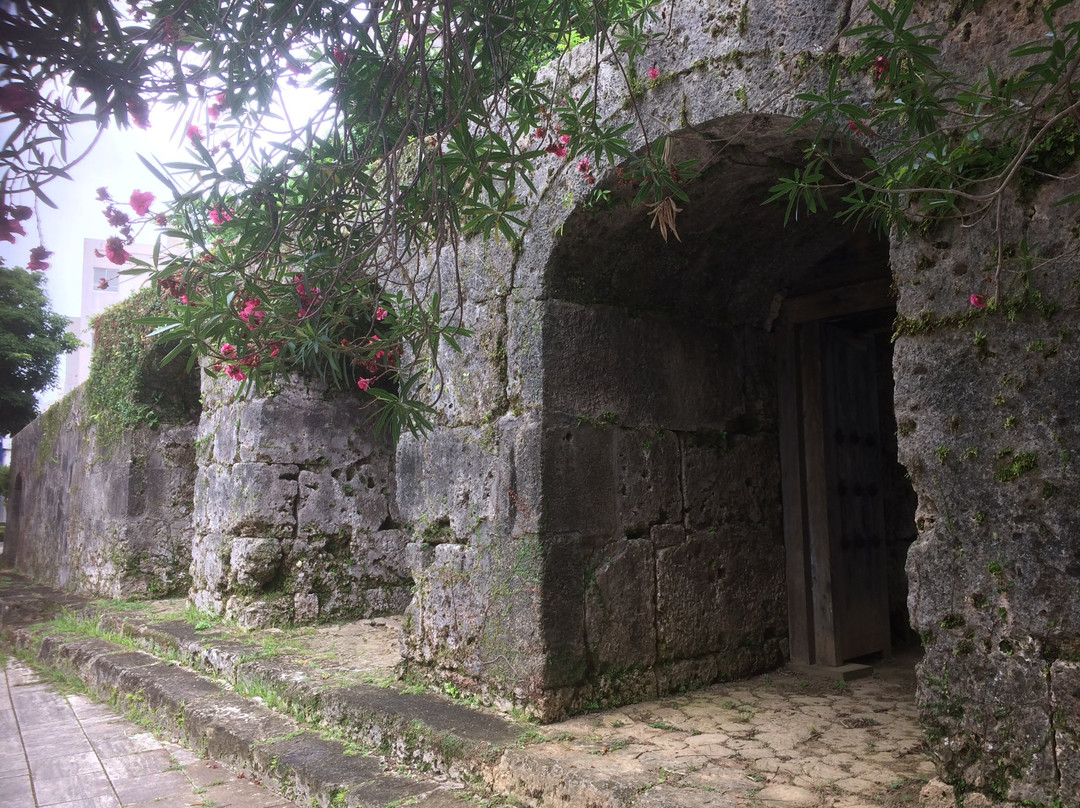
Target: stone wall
column 104, row 518
column 988, row 414
column 661, row 482
column 294, row 517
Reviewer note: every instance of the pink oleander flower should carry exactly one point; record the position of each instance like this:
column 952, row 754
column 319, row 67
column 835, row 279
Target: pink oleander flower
column 380, row 314
column 235, row 373
column 371, row 342
column 116, row 217
column 140, row 202
column 194, row 133
column 228, row 350
column 115, row 252
column 881, row 67
column 364, row 384
column 564, row 139
column 583, row 165
column 37, row 259
column 251, row 314
column 654, row 72
column 219, row 216
column 139, row 112
column 9, row 228
column 978, row 301
column 183, row 300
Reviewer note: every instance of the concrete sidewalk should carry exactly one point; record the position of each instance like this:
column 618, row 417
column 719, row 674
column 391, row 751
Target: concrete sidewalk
column 71, row 752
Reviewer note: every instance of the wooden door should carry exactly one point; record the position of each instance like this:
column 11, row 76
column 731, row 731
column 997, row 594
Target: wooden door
column 832, row 487
column 853, row 494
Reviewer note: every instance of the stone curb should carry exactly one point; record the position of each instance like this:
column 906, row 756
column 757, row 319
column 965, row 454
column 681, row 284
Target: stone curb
column 283, row 742
column 281, row 752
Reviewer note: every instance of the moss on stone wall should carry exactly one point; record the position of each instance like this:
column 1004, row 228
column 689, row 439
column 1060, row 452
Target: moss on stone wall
column 128, row 387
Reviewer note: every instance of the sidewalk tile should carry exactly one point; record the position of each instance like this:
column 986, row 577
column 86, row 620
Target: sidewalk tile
column 70, row 789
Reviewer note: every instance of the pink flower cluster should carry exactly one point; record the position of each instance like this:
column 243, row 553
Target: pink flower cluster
column 250, row 312
column 235, row 370
column 11, row 219
column 214, row 110
column 881, row 68
column 979, row 301
column 309, row 302
column 219, row 216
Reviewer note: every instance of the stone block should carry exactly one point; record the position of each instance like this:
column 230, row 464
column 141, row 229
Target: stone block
column 331, row 501
column 305, row 607
column 972, row 701
column 579, row 479
column 474, row 380
column 620, row 618
column 304, row 425
column 254, row 561
column 248, row 499
column 718, row 592
column 647, row 464
column 732, row 481
column 562, row 597
column 695, row 386
column 1065, row 703
column 667, row 535
column 468, row 484
column 380, row 556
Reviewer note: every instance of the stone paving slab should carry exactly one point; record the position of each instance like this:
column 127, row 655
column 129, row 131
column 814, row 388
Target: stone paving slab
column 71, row 752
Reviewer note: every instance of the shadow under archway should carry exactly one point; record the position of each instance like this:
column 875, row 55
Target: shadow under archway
column 662, row 390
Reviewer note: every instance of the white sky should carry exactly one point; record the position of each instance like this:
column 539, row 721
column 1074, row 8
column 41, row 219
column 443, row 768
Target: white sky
column 114, row 164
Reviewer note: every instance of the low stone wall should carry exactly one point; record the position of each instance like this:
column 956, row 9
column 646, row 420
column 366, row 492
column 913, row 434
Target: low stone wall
column 294, row 518
column 109, row 518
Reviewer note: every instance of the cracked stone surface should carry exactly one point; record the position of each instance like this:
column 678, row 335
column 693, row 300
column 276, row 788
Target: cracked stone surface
column 781, row 740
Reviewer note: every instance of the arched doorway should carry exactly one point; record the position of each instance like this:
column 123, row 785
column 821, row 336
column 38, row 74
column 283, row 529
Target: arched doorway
column 665, row 371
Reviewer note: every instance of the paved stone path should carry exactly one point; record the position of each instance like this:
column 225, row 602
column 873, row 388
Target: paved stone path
column 71, row 752
column 781, row 740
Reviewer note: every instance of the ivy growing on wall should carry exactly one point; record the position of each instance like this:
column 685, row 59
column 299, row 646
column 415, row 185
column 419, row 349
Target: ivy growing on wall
column 127, row 388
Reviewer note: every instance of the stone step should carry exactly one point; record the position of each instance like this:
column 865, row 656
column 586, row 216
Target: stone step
column 306, row 727
column 303, row 764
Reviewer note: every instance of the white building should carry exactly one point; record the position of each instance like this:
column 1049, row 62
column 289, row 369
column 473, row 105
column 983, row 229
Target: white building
column 101, row 284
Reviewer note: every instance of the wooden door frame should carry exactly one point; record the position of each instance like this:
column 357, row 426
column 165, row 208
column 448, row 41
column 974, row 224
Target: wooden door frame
column 811, row 623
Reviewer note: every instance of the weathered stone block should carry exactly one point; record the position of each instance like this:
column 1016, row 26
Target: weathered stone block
column 1014, row 702
column 331, row 501
column 380, row 556
column 570, row 502
column 1065, row 706
column 620, row 618
column 648, row 467
column 248, row 499
column 254, row 561
column 732, row 481
column 718, row 592
column 305, row 607
column 695, row 386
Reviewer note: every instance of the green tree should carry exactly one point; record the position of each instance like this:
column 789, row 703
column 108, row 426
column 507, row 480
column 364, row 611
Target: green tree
column 32, row 337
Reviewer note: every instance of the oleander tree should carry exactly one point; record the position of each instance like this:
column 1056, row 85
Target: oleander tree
column 298, row 232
